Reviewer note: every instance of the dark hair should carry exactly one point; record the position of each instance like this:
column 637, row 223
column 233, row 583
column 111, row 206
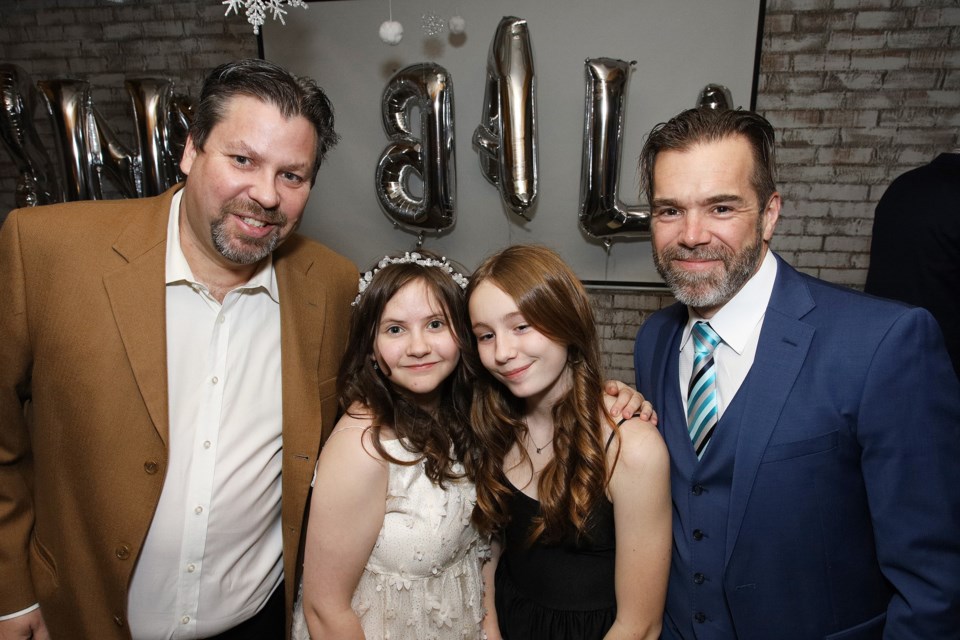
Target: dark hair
column 552, row 299
column 270, row 83
column 433, row 436
column 701, row 124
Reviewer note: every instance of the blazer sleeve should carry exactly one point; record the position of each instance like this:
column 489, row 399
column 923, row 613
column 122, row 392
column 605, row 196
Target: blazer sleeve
column 909, row 430
column 16, row 501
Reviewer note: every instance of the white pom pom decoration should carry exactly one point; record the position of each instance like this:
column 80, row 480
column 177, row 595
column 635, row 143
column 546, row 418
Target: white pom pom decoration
column 457, row 24
column 391, row 32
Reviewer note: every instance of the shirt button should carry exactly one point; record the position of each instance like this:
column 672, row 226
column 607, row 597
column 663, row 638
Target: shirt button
column 184, row 619
column 221, row 319
column 700, row 617
column 191, row 568
column 214, row 379
column 697, row 489
column 150, row 467
column 123, row 552
column 206, row 444
column 698, row 578
column 697, row 534
column 198, row 510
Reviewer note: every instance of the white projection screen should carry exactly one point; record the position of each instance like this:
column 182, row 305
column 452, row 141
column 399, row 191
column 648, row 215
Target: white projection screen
column 679, row 46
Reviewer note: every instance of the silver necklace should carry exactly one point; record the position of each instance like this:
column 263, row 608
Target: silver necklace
column 535, row 446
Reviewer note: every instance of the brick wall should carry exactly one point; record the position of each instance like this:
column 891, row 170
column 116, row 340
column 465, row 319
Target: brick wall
column 859, row 90
column 107, row 41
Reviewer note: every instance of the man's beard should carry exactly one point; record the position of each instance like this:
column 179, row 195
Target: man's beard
column 243, row 249
column 713, row 288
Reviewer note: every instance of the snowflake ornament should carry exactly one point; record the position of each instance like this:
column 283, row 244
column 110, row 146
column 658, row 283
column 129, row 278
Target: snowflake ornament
column 256, row 10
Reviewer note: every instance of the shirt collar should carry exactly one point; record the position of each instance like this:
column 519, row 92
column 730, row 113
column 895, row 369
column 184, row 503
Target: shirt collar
column 735, row 321
column 178, row 271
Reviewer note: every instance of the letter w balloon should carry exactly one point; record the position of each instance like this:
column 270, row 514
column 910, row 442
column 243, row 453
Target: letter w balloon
column 429, row 88
column 602, row 214
column 507, row 135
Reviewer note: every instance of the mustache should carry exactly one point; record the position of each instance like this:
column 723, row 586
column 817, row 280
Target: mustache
column 244, row 207
column 697, row 253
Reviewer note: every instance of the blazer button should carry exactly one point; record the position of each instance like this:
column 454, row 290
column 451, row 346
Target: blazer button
column 698, row 578
column 697, row 534
column 700, row 617
column 117, row 620
column 697, row 489
column 151, row 467
column 123, row 551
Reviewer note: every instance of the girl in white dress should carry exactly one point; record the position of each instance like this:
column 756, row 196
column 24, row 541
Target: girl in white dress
column 390, row 549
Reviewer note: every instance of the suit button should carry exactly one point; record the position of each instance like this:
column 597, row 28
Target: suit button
column 697, row 489
column 700, row 617
column 151, row 467
column 697, row 534
column 117, row 620
column 123, row 551
column 698, row 578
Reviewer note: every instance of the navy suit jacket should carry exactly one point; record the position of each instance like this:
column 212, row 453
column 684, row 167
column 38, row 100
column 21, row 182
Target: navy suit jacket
column 844, row 515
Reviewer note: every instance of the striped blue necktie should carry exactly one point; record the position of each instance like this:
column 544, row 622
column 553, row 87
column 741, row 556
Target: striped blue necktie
column 702, row 409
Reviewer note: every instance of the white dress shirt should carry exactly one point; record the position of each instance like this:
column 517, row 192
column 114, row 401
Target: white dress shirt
column 738, row 324
column 213, row 554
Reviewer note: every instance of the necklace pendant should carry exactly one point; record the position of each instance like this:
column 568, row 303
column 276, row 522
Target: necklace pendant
column 538, row 449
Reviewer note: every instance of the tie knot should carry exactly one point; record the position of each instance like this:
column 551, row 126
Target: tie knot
column 705, row 339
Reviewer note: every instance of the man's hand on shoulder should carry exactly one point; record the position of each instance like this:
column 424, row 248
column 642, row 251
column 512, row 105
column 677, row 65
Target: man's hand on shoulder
column 628, row 402
column 29, row 626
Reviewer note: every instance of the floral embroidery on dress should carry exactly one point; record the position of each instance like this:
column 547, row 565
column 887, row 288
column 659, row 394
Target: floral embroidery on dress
column 422, row 579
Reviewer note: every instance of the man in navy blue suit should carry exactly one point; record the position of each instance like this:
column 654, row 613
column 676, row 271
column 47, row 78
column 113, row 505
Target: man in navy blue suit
column 814, row 432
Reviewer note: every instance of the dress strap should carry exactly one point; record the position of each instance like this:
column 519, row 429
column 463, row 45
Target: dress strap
column 613, row 432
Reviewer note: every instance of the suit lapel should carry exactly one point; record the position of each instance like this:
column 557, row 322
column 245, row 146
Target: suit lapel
column 782, row 349
column 666, row 347
column 302, row 313
column 138, row 299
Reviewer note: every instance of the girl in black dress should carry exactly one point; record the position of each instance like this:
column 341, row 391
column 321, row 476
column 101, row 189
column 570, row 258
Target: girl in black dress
column 580, row 504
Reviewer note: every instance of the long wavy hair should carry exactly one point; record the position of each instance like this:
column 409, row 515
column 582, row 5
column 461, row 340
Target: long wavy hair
column 552, row 300
column 432, row 435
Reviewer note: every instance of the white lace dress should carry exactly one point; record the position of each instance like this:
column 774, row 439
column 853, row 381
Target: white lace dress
column 422, row 580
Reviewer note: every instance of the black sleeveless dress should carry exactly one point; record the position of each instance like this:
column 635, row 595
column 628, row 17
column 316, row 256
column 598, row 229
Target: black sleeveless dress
column 555, row 592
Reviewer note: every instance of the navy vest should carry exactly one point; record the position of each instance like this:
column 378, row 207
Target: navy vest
column 696, row 603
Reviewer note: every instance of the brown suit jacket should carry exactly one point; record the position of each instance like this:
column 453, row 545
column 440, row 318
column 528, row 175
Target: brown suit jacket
column 83, row 400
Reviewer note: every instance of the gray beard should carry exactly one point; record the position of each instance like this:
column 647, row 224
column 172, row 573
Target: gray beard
column 708, row 289
column 245, row 250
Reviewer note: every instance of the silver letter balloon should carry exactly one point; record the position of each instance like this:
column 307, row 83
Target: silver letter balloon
column 89, row 150
column 715, row 96
column 602, row 214
column 38, row 182
column 428, row 88
column 507, row 135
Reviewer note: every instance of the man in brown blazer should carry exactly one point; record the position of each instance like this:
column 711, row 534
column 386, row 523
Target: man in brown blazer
column 143, row 399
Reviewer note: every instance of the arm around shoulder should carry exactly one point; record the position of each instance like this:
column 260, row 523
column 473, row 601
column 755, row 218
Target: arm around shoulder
column 640, row 491
column 346, row 514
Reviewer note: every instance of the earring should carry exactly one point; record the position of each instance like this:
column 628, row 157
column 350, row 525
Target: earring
column 376, row 366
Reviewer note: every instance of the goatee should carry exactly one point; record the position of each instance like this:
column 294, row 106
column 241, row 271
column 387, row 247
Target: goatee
column 245, row 249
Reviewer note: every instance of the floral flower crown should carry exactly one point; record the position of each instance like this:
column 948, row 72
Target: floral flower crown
column 410, row 258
